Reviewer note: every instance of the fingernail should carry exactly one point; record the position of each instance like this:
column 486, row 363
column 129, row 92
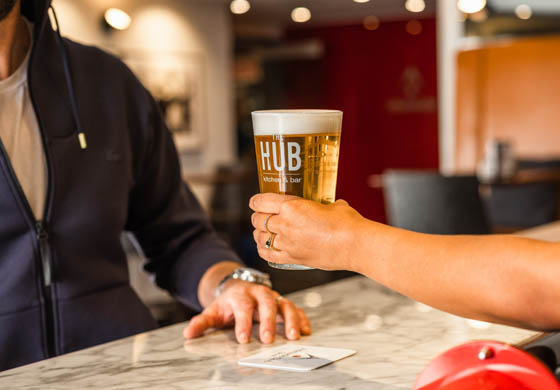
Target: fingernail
column 292, row 333
column 267, row 336
column 243, row 338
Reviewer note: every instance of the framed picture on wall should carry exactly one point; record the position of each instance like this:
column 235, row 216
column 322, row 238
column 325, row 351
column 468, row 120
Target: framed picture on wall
column 175, row 79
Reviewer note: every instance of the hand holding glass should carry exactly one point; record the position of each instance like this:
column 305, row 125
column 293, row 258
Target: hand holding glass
column 297, row 154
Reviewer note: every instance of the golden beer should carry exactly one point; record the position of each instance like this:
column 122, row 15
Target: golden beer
column 300, row 164
column 297, row 154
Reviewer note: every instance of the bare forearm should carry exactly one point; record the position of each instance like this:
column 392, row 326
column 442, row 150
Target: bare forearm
column 210, row 280
column 498, row 278
column 495, row 278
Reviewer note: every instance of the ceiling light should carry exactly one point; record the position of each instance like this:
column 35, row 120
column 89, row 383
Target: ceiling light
column 471, row 6
column 523, row 11
column 117, row 18
column 415, row 5
column 371, row 22
column 239, row 7
column 301, row 15
column 361, row 1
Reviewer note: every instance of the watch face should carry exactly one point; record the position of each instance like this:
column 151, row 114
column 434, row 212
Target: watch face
column 253, row 276
column 252, row 271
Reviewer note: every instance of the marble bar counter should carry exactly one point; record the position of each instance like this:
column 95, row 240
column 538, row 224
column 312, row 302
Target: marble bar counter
column 548, row 232
column 395, row 338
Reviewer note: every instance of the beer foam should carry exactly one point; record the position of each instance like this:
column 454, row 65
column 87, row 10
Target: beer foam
column 272, row 122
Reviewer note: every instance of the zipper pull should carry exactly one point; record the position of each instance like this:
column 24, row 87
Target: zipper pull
column 43, row 238
column 82, row 139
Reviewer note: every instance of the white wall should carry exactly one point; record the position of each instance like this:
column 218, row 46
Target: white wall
column 449, row 33
column 188, row 26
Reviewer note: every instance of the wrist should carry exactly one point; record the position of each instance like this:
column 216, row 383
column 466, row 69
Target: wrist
column 211, row 278
column 367, row 250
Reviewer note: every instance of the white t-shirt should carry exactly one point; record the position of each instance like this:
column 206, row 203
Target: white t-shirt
column 19, row 132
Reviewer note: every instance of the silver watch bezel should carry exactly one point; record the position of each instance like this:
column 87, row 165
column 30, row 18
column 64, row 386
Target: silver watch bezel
column 245, row 274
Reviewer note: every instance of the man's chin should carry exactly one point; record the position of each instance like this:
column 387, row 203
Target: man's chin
column 6, row 6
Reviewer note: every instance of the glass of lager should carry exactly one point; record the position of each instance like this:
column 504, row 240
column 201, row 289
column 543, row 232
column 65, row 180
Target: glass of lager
column 297, row 154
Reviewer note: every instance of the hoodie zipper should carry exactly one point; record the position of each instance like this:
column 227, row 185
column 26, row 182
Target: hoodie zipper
column 43, row 246
column 47, row 279
column 41, row 227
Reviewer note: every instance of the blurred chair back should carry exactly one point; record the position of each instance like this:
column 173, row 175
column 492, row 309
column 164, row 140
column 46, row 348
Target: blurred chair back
column 428, row 202
column 520, row 206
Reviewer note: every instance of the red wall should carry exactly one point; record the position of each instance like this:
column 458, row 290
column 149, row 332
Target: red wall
column 390, row 117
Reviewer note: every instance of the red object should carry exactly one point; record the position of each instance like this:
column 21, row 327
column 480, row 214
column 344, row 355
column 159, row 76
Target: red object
column 385, row 81
column 486, row 365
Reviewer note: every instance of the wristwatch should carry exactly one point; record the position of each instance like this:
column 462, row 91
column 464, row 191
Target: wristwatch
column 246, row 275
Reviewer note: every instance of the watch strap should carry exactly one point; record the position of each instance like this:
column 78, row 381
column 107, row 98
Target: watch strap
column 245, row 274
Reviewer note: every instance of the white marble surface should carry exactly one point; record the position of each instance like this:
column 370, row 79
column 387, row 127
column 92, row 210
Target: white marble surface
column 394, row 336
column 549, row 232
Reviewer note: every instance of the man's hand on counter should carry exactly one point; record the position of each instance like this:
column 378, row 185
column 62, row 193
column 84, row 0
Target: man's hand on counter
column 240, row 303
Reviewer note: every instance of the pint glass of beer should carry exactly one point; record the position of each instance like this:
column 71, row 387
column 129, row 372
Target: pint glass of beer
column 297, row 154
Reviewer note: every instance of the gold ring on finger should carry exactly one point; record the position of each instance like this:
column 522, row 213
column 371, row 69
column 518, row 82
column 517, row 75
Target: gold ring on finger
column 266, row 223
column 269, row 244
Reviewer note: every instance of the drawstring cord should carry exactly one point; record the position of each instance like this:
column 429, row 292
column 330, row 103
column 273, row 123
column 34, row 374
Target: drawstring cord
column 81, row 135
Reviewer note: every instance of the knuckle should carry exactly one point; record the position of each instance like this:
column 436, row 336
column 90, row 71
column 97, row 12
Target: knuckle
column 242, row 321
column 296, row 206
column 289, row 303
column 280, row 226
column 257, row 200
column 261, row 290
column 260, row 238
column 242, row 310
column 241, row 328
column 291, row 310
column 245, row 305
column 267, row 300
column 267, row 319
column 266, row 254
column 286, row 208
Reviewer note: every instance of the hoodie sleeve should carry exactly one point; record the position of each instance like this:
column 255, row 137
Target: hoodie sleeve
column 166, row 218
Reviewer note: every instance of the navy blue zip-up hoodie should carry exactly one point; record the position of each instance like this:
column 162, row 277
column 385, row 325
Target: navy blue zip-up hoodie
column 64, row 281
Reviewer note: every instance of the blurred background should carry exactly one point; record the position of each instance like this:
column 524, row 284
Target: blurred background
column 450, row 107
